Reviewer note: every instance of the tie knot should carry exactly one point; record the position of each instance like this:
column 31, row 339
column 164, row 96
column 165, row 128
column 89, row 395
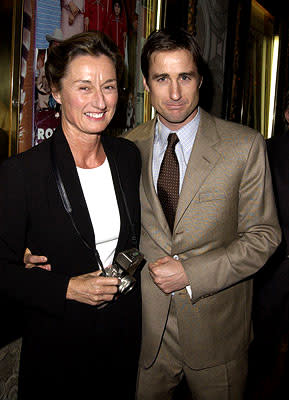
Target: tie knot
column 172, row 139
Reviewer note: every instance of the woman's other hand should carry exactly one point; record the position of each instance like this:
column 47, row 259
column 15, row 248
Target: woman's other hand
column 92, row 288
column 88, row 288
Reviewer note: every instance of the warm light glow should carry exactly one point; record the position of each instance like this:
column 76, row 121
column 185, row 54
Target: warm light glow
column 273, row 84
column 158, row 24
column 263, row 120
column 153, row 21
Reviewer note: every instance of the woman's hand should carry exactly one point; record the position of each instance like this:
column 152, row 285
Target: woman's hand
column 92, row 289
column 88, row 288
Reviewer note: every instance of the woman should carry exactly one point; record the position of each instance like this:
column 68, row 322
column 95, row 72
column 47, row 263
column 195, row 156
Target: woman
column 116, row 27
column 71, row 344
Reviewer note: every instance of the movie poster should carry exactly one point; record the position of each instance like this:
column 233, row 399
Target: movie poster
column 125, row 21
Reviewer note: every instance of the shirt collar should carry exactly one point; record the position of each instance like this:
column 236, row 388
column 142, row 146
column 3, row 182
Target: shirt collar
column 185, row 134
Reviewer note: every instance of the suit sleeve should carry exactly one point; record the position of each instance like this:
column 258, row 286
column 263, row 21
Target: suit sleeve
column 34, row 287
column 258, row 232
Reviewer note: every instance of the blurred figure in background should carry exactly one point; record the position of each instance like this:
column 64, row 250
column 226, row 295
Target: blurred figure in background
column 269, row 349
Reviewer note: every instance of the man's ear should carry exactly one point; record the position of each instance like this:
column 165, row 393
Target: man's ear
column 145, row 84
column 201, row 81
column 286, row 114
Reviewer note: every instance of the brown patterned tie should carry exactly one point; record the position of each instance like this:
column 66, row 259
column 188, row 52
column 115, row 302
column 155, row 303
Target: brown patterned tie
column 168, row 181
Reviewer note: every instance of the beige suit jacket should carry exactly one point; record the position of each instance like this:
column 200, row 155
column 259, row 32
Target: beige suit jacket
column 225, row 229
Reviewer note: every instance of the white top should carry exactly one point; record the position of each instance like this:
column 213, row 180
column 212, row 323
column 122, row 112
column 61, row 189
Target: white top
column 98, row 190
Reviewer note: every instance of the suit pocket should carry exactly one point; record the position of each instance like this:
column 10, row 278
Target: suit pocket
column 211, row 196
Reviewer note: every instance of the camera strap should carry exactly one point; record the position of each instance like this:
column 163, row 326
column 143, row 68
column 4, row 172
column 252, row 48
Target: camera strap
column 132, row 226
column 68, row 208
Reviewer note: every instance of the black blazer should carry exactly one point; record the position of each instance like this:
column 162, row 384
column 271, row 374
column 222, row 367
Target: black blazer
column 271, row 284
column 65, row 343
column 278, row 153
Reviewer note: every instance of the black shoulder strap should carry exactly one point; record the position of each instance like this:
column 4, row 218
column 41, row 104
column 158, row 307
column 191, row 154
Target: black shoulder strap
column 132, row 225
column 68, row 208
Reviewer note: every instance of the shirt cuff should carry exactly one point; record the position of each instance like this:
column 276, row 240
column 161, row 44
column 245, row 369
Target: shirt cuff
column 189, row 290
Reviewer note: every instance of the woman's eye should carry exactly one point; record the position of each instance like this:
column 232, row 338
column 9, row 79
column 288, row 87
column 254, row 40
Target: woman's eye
column 110, row 87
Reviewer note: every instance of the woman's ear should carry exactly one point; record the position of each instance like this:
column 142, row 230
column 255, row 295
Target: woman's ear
column 56, row 95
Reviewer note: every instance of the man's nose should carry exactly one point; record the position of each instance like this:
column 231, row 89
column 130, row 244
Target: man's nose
column 175, row 91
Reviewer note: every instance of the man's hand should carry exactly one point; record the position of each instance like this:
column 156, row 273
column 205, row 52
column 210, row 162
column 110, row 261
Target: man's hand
column 168, row 274
column 86, row 23
column 92, row 289
column 33, row 261
column 70, row 19
column 73, row 8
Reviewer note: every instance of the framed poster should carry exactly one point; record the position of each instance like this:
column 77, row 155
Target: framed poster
column 127, row 22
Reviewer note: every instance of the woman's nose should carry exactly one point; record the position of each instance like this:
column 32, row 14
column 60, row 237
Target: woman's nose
column 98, row 99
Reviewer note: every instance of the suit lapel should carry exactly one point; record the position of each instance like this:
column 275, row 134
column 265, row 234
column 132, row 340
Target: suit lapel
column 146, row 148
column 202, row 161
column 69, row 175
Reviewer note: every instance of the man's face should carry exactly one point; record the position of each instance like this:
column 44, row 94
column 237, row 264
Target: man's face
column 174, row 84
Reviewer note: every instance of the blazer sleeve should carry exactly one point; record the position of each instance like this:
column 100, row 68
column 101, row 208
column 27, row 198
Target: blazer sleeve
column 34, row 287
column 258, row 232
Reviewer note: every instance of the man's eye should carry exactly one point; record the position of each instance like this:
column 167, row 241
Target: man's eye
column 162, row 79
column 185, row 77
column 84, row 88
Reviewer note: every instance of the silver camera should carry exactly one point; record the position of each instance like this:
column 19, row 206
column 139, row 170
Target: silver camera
column 124, row 267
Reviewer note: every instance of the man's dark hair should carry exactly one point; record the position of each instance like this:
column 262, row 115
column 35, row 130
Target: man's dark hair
column 170, row 40
column 89, row 43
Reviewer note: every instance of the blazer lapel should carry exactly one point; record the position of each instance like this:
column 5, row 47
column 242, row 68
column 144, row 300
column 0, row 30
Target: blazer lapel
column 202, row 160
column 146, row 148
column 69, row 175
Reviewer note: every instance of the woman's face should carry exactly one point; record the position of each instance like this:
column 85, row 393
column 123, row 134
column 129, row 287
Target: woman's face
column 116, row 9
column 88, row 95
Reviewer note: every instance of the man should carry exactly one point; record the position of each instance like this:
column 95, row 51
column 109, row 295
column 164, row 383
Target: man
column 196, row 286
column 196, row 289
column 268, row 372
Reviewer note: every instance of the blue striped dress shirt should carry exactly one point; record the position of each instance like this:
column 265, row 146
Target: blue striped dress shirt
column 186, row 135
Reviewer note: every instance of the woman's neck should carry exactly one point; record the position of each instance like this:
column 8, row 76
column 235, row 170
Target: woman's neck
column 87, row 150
